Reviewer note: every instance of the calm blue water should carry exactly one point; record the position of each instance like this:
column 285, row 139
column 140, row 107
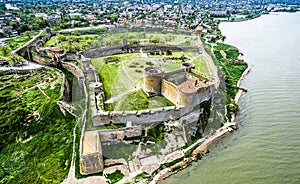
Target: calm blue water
column 266, row 147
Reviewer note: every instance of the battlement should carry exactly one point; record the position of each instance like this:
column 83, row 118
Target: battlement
column 140, row 117
column 120, row 49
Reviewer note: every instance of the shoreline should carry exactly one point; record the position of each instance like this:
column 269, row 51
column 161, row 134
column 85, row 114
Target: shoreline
column 207, row 140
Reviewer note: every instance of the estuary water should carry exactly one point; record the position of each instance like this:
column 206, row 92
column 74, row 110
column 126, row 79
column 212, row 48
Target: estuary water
column 266, row 147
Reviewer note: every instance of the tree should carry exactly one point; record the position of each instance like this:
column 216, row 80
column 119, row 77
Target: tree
column 15, row 59
column 27, row 33
column 61, row 38
column 5, row 50
column 22, row 28
column 7, row 32
column 114, row 18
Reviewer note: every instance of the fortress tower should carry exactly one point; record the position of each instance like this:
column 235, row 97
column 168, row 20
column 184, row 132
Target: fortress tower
column 152, row 80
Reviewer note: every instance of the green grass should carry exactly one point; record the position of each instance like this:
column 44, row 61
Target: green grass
column 32, row 149
column 225, row 47
column 115, row 126
column 172, row 39
column 201, row 66
column 72, row 43
column 108, row 76
column 112, row 39
column 115, row 176
column 136, row 100
column 141, row 177
column 231, row 51
column 123, row 73
column 231, row 71
column 15, row 43
column 139, row 100
column 154, row 134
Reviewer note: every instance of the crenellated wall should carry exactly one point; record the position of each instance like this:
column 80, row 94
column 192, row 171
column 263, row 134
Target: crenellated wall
column 71, row 57
column 106, row 51
column 140, row 117
column 119, row 135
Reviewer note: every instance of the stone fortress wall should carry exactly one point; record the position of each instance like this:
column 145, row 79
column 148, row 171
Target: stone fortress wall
column 120, row 49
column 185, row 109
column 91, row 159
column 185, row 103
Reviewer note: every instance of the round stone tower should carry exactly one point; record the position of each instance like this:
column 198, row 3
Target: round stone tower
column 152, row 80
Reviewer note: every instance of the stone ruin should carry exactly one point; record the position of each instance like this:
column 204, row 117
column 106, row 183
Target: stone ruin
column 181, row 87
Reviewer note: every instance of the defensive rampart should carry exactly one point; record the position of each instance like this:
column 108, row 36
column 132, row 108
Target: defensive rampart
column 140, row 117
column 100, row 52
column 187, row 100
column 37, row 40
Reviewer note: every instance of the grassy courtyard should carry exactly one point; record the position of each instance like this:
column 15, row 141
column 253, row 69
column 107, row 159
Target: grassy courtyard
column 123, row 76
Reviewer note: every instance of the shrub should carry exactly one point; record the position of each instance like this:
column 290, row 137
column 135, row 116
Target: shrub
column 115, row 176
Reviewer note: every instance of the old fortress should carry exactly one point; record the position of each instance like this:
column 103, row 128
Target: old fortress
column 185, row 87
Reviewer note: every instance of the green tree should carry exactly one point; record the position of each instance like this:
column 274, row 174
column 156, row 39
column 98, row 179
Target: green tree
column 7, row 32
column 61, row 38
column 27, row 33
column 15, row 59
column 114, row 18
column 5, row 50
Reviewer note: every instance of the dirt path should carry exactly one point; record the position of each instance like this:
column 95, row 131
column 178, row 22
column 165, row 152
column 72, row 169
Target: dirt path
column 71, row 176
column 42, row 91
column 118, row 97
column 52, row 85
column 28, row 66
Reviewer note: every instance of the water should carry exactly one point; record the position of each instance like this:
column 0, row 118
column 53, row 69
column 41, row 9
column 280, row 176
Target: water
column 266, row 147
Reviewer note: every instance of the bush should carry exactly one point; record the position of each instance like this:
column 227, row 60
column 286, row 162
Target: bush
column 112, row 59
column 232, row 107
column 155, row 134
column 169, row 53
column 140, row 177
column 115, row 176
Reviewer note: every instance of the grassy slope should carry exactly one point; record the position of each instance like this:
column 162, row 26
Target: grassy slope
column 233, row 72
column 33, row 151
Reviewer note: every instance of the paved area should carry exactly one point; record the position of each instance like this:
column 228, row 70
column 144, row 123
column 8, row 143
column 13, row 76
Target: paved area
column 89, row 142
column 28, row 66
